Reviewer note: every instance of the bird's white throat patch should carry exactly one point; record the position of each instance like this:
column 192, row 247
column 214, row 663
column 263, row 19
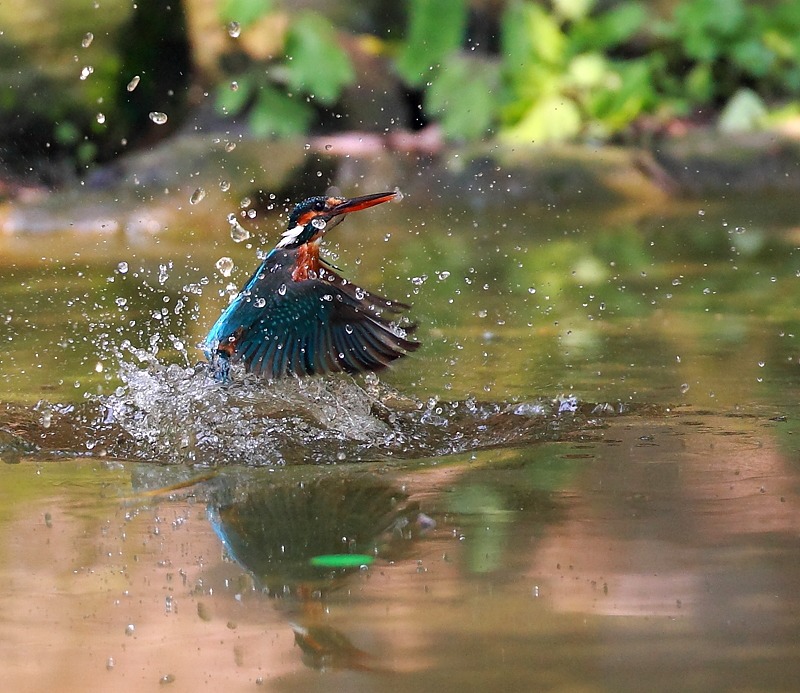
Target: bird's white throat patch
column 290, row 236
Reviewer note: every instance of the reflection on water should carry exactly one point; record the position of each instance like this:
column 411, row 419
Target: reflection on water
column 660, row 550
column 586, row 480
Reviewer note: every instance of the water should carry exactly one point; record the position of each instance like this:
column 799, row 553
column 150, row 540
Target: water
column 586, row 479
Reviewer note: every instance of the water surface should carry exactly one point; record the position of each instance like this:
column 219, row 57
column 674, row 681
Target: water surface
column 587, row 479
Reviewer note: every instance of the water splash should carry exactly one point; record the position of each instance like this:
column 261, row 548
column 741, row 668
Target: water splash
column 180, row 414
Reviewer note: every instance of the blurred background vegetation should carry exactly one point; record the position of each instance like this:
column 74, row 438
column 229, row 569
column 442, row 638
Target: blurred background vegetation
column 84, row 81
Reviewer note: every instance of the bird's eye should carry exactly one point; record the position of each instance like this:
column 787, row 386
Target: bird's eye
column 319, row 206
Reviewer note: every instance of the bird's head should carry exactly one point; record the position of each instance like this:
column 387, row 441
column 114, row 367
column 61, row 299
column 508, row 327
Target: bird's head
column 311, row 218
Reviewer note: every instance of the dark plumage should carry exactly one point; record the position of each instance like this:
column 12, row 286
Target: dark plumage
column 297, row 316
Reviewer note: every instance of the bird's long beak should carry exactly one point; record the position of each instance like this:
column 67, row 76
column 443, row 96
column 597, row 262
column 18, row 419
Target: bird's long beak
column 356, row 204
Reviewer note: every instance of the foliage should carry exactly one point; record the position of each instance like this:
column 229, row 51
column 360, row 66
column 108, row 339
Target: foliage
column 314, row 67
column 579, row 68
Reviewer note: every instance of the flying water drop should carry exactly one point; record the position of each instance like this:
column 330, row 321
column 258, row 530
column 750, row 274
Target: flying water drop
column 225, row 266
column 158, row 117
column 197, row 196
column 238, row 232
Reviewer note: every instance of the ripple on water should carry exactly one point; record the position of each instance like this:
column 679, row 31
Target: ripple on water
column 168, row 413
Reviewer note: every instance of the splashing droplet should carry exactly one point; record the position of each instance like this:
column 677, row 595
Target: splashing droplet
column 224, row 185
column 122, row 267
column 282, row 289
column 86, row 71
column 87, row 39
column 163, row 274
column 197, row 196
column 158, row 117
column 318, row 223
column 238, row 232
column 234, row 29
column 230, row 146
column 234, row 86
column 133, row 83
column 100, row 118
column 225, row 266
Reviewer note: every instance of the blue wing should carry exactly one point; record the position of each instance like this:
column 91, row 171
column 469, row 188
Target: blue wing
column 316, row 326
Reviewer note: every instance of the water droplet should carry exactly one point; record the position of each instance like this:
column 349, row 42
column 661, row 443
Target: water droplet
column 348, row 329
column 398, row 195
column 701, row 212
column 282, row 289
column 110, row 663
column 230, row 146
column 234, row 86
column 444, row 274
column 761, row 364
column 328, row 147
column 238, row 232
column 245, row 202
column 224, row 185
column 197, row 196
column 158, row 117
column 122, row 267
column 167, row 678
column 163, row 275
column 225, row 266
column 86, row 71
column 100, row 118
column 684, row 388
column 133, row 83
column 260, row 302
column 318, row 223
column 234, row 29
column 87, row 39
column 419, row 281
column 130, row 629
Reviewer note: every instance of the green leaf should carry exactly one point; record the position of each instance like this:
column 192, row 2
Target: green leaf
column 245, row 12
column 316, row 62
column 753, row 56
column 530, row 35
column 463, row 96
column 435, row 29
column 275, row 113
column 699, row 83
column 553, row 119
column 616, row 26
column 230, row 101
column 744, row 112
column 616, row 108
column 573, row 10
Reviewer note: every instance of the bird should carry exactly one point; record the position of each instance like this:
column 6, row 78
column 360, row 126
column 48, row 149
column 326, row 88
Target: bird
column 298, row 316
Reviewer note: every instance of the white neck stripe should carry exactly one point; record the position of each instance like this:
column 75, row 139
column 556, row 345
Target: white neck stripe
column 290, row 236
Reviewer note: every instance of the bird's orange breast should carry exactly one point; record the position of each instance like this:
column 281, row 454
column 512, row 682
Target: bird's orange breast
column 307, row 262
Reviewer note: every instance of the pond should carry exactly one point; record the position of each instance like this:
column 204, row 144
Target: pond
column 586, row 479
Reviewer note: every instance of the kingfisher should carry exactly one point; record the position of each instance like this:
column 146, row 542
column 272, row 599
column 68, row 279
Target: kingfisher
column 298, row 316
